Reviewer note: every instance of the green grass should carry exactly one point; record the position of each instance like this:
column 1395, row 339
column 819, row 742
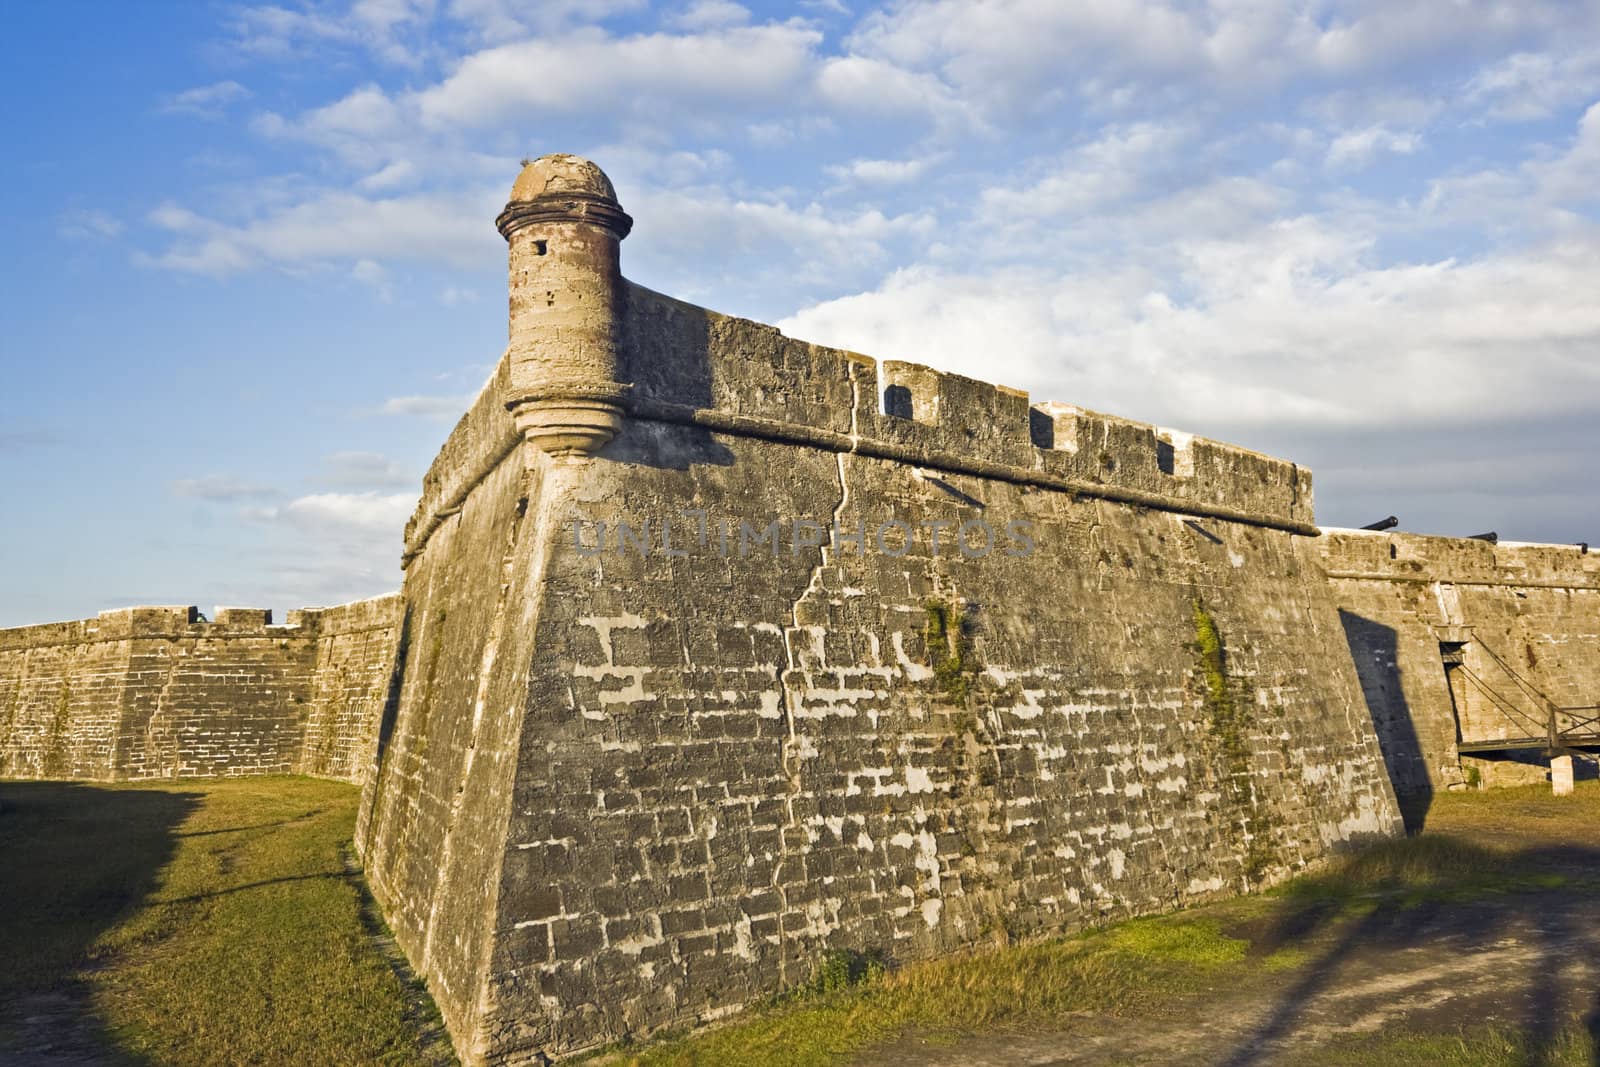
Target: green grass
column 1484, row 1047
column 198, row 923
column 1130, row 965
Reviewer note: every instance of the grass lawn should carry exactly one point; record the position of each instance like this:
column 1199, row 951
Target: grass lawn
column 203, row 923
column 194, row 923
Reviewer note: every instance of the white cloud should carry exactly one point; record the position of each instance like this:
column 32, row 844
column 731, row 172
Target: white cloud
column 1540, row 194
column 710, row 14
column 88, row 225
column 373, row 276
column 882, row 171
column 496, row 21
column 380, row 27
column 771, row 76
column 1533, row 85
column 366, row 470
column 453, row 295
column 399, row 172
column 804, row 244
column 1357, row 148
column 335, row 226
column 730, row 69
column 1373, row 103
column 329, row 548
column 427, row 407
column 221, row 487
column 1112, row 168
column 859, row 85
column 384, row 513
column 662, row 167
column 364, row 115
column 1285, row 325
column 206, row 101
column 1015, row 54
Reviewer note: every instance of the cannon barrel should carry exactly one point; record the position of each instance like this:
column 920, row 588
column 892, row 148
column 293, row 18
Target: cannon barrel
column 1383, row 524
column 1491, row 537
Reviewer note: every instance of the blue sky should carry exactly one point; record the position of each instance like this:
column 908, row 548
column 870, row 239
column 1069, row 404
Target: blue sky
column 251, row 274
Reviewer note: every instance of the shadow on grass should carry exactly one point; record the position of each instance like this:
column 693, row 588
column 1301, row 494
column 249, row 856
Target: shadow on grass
column 252, row 826
column 77, row 858
column 319, row 876
column 1458, row 901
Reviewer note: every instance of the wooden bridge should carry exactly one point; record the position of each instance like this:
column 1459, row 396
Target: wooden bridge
column 1498, row 709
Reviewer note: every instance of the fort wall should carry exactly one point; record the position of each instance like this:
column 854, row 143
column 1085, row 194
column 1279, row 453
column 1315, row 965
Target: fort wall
column 1462, row 642
column 696, row 694
column 155, row 692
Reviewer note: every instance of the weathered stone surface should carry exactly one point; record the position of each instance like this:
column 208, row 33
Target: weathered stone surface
column 353, row 669
column 152, row 692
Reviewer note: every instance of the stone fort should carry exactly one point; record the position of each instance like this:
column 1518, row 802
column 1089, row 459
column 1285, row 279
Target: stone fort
column 718, row 651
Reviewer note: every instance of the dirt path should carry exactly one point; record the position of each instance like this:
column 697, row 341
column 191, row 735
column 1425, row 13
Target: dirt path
column 1531, row 963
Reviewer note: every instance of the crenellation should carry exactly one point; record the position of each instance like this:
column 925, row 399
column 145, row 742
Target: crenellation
column 243, row 617
column 687, row 366
column 1387, row 555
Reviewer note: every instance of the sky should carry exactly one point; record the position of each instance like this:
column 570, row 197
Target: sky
column 251, row 277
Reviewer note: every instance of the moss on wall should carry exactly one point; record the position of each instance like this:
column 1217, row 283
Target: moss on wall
column 947, row 634
column 1229, row 721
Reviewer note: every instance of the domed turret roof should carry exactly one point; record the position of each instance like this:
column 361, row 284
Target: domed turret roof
column 558, row 174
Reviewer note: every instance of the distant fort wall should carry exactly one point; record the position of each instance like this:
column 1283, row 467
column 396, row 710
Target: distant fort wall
column 1463, row 645
column 155, row 692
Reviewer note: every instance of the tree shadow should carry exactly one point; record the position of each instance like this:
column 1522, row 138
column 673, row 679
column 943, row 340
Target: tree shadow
column 1456, row 915
column 1375, row 648
column 77, row 859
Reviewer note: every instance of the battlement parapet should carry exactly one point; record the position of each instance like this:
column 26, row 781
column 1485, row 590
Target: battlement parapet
column 358, row 616
column 47, row 634
column 243, row 616
column 1408, row 557
column 687, row 365
column 149, row 621
column 484, row 435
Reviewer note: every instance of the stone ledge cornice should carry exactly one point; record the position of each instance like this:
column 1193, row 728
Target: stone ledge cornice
column 564, row 207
